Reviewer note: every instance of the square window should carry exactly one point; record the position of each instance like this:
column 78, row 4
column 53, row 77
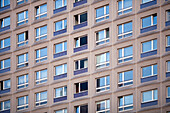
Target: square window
column 5, row 22
column 102, row 13
column 41, row 55
column 5, row 84
column 60, row 25
column 41, row 11
column 102, row 60
column 81, row 64
column 4, row 3
column 103, row 84
column 5, row 63
column 41, row 76
column 61, row 69
column 149, row 46
column 82, row 109
column 22, row 81
column 149, row 21
column 22, row 39
column 60, row 3
column 61, row 47
column 124, row 6
column 41, row 98
column 22, row 103
column 102, row 36
column 22, row 60
column 81, row 87
column 21, row 1
column 125, row 30
column 5, row 105
column 22, row 18
column 103, row 106
column 61, row 92
column 125, row 54
column 80, row 41
column 150, row 95
column 149, row 71
column 125, row 103
column 5, row 43
column 41, row 33
column 125, row 78
column 80, row 18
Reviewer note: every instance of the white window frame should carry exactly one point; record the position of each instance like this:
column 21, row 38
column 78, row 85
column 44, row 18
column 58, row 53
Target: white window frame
column 79, row 64
column 151, row 20
column 38, row 15
column 25, row 83
column 105, row 39
column 103, row 63
column 25, row 19
column 151, row 71
column 40, row 101
column 25, row 41
column 24, row 103
column 105, row 110
column 123, row 33
column 3, row 42
column 39, row 37
column 125, row 105
column 79, row 91
column 39, row 75
column 62, row 47
column 152, row 96
column 122, row 10
column 62, row 69
column 25, row 62
column 3, row 102
column 123, row 58
column 123, row 82
column 3, row 63
column 39, row 58
column 62, row 91
column 105, row 15
column 106, row 86
column 151, row 46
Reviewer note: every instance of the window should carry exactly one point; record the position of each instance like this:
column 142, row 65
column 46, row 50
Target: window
column 124, row 6
column 125, row 103
column 103, row 60
column 5, row 63
column 60, row 92
column 80, row 41
column 168, row 15
column 125, row 78
column 4, row 43
column 5, row 105
column 22, row 103
column 103, row 84
column 21, row 1
column 5, row 22
column 125, row 30
column 22, row 39
column 4, row 3
column 168, row 41
column 5, row 84
column 82, row 109
column 149, row 71
column 102, row 36
column 81, row 87
column 61, row 25
column 41, row 55
column 41, row 98
column 81, row 64
column 22, row 60
column 125, row 54
column 145, row 1
column 61, row 69
column 80, row 18
column 78, row 0
column 22, row 81
column 103, row 106
column 149, row 46
column 41, row 76
column 148, row 96
column 60, row 3
column 41, row 11
column 22, row 18
column 41, row 33
column 61, row 111
column 149, row 21
column 168, row 66
column 168, row 92
column 102, row 13
column 60, row 47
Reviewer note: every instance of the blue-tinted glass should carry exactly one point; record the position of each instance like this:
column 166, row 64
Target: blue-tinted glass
column 6, row 42
column 120, row 29
column 43, row 8
column 77, row 110
column 128, row 100
column 43, row 52
column 108, row 80
column 2, row 44
column 59, row 92
column 37, row 75
column 43, row 95
column 146, row 46
column 37, row 53
column 168, row 40
column 154, row 44
column 21, row 101
column 147, row 96
column 65, row 46
column 101, row 82
column 6, row 63
column 154, row 20
column 21, row 59
column 168, row 66
column 59, row 47
column 65, row 68
column 127, row 27
column 37, row 32
column 128, row 75
column 58, row 4
column 120, row 77
column 120, row 53
column 108, row 56
column 6, row 2
column 127, row 4
column 155, row 69
column 155, row 94
column 99, row 12
column 168, row 91
column 6, row 21
column 43, row 74
column 128, row 51
column 58, row 26
column 146, row 22
column 43, row 30
column 7, row 104
column 21, row 16
column 26, row 99
column 21, row 37
column 145, row 1
column 59, row 70
column 101, row 35
column 120, row 5
column 121, row 101
column 7, row 84
column 65, row 23
column 146, row 71
column 21, row 80
column 107, row 9
column 83, row 17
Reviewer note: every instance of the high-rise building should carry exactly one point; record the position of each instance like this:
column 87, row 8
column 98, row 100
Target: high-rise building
column 85, row 56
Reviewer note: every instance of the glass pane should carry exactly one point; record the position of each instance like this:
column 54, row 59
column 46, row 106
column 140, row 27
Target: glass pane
column 83, row 40
column 83, row 17
column 101, row 106
column 168, row 90
column 37, row 97
column 154, row 44
column 6, row 21
column 43, row 95
column 168, row 66
column 120, row 29
column 58, row 4
column 146, row 22
column 155, row 94
column 128, row 100
column 127, row 27
column 20, row 101
column 108, row 56
column 58, row 25
column 128, row 51
column 108, row 80
column 120, row 77
column 77, row 109
column 7, row 84
column 7, row 104
column 43, row 8
column 145, row 1
column 154, row 19
column 20, row 59
column 99, row 12
column 59, row 92
column 146, row 71
column 43, row 52
column 168, row 40
column 43, row 30
column 37, row 32
column 107, row 104
column 65, row 91
column 101, row 58
column 146, row 46
column 168, row 15
column 155, row 69
column 147, row 96
column 37, row 75
column 65, row 68
column 107, row 9
column 6, row 42
column 101, row 82
column 6, row 63
column 59, row 70
column 128, row 75
column 65, row 23
column 127, row 4
column 21, row 80
column 21, row 37
column 100, row 35
column 21, row 16
column 120, row 53
column 59, row 47
column 120, row 101
column 6, row 2
column 43, row 74
column 65, row 46
column 120, row 5
column 83, row 86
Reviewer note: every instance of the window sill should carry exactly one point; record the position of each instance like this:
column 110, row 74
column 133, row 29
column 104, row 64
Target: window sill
column 59, row 99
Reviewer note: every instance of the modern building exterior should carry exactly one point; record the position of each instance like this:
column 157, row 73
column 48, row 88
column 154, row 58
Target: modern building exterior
column 85, row 56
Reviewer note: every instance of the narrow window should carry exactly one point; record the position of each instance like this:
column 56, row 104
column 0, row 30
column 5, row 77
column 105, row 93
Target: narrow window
column 41, row 98
column 61, row 111
column 5, row 84
column 21, row 1
column 22, row 60
column 4, row 3
column 41, row 33
column 5, row 63
column 102, row 36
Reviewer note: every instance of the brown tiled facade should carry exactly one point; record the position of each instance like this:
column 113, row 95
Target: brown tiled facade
column 79, row 94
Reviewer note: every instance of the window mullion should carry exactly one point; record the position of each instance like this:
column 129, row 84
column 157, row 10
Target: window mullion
column 78, row 19
column 123, row 77
column 63, row 68
column 152, row 44
column 3, row 64
column 151, row 19
column 152, row 70
column 79, row 87
column 3, row 42
column 152, row 94
column 122, row 28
